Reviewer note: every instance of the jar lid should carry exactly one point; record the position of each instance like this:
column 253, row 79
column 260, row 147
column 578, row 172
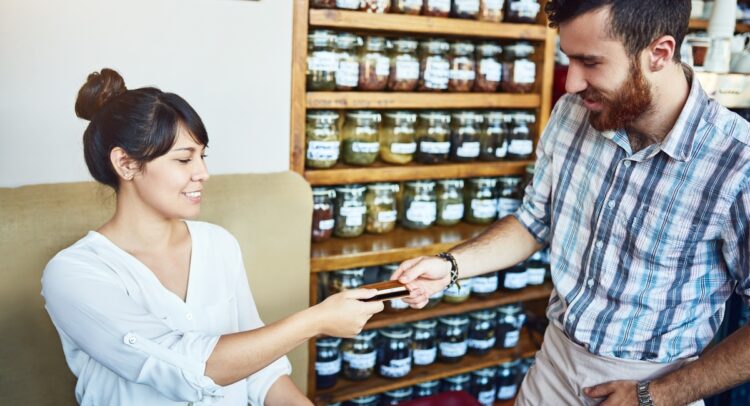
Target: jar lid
column 379, row 187
column 436, row 116
column 364, row 400
column 322, row 38
column 402, row 115
column 405, row 44
column 374, row 43
column 428, row 384
column 365, row 335
column 398, row 331
column 485, row 314
column 423, row 184
column 400, row 392
column 324, row 115
column 457, row 183
column 509, row 309
column 347, row 40
column 524, row 117
column 491, row 182
column 509, row 181
column 485, row 373
column 520, row 49
column 510, row 364
column 497, row 116
column 328, row 342
column 429, row 323
column 458, row 378
column 364, row 115
column 323, row 191
column 351, row 272
column 489, row 49
column 353, row 188
column 390, row 267
column 434, row 46
column 462, row 48
column 464, row 116
column 458, row 320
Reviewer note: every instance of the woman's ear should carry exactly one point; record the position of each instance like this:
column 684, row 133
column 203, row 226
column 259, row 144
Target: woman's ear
column 123, row 164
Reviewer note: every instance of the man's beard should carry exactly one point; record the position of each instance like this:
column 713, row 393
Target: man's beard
column 630, row 102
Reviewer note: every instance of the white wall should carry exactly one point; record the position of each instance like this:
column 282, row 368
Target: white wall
column 230, row 59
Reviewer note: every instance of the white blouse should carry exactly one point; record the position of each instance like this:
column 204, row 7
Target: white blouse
column 131, row 341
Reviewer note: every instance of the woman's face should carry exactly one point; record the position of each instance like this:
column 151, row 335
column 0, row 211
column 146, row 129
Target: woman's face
column 172, row 184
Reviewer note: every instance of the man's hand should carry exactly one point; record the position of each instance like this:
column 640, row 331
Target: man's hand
column 615, row 393
column 423, row 276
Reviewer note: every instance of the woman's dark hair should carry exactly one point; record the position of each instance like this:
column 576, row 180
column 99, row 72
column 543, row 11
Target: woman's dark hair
column 634, row 22
column 143, row 122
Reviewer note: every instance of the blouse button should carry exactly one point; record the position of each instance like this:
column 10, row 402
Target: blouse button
column 130, row 339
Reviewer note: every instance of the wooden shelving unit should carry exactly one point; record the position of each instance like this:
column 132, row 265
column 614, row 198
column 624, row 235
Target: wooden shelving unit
column 401, row 244
column 696, row 24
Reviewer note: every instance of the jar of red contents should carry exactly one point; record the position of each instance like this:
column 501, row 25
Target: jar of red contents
column 323, row 222
column 436, row 8
column 374, row 64
column 491, row 10
column 322, row 3
column 489, row 70
column 404, row 74
column 412, row 7
column 434, row 67
column 463, row 67
column 375, row 6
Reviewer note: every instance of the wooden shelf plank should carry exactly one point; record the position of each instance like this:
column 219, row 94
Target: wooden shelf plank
column 346, row 389
column 697, row 24
column 378, row 249
column 382, row 172
column 420, row 100
column 383, row 319
column 424, row 25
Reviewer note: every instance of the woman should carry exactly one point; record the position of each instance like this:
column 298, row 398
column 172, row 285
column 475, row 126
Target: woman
column 152, row 309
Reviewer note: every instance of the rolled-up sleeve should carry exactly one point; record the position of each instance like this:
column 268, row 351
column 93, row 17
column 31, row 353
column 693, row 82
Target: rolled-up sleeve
column 95, row 311
column 736, row 243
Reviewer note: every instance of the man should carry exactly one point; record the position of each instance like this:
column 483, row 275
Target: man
column 642, row 191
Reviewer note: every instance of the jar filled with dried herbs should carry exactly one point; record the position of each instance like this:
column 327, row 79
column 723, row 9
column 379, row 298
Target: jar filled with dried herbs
column 465, row 132
column 404, row 74
column 450, row 201
column 322, row 60
column 434, row 67
column 381, row 207
column 397, row 139
column 462, row 67
column 489, row 69
column 323, row 213
column 347, row 71
column 480, row 200
column 361, row 142
column 374, row 65
column 521, row 144
column 519, row 71
column 433, row 137
column 468, row 9
column 322, row 139
column 418, row 204
column 493, row 141
column 351, row 211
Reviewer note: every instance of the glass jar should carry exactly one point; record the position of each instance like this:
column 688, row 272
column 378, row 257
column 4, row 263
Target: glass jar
column 372, row 400
column 521, row 144
column 436, row 8
column 450, row 201
column 507, row 380
column 484, row 285
column 327, row 362
column 524, row 366
column 374, row 64
column 480, row 201
column 491, row 10
column 359, row 356
column 392, row 305
column 348, row 4
column 508, row 195
column 375, row 6
column 322, row 219
column 493, row 142
column 394, row 351
column 397, row 140
column 484, row 386
column 482, row 331
column 339, row 281
column 322, row 3
column 456, row 383
column 322, row 61
column 465, row 132
column 453, row 332
column 425, row 342
column 514, row 278
column 489, row 69
column 347, row 71
column 396, row 396
column 435, row 299
column 351, row 211
column 468, row 9
column 510, row 319
column 433, row 137
column 411, row 7
column 382, row 207
column 360, row 142
column 322, row 139
column 418, row 205
column 536, row 269
column 434, row 67
column 519, row 71
column 404, row 75
column 521, row 11
column 462, row 67
column 424, row 389
column 455, row 294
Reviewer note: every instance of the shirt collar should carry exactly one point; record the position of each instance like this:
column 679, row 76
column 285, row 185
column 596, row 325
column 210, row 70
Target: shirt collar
column 678, row 143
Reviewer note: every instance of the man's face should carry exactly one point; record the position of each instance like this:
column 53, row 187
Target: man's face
column 610, row 83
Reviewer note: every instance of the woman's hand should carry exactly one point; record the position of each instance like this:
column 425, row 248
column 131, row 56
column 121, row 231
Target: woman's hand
column 345, row 314
column 424, row 276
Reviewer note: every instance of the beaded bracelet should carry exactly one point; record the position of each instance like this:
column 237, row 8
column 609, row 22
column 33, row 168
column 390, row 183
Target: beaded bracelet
column 454, row 267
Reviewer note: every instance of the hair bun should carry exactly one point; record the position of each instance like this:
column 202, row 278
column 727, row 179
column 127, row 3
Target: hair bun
column 99, row 88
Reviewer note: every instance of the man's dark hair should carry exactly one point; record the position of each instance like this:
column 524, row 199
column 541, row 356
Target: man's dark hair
column 634, row 22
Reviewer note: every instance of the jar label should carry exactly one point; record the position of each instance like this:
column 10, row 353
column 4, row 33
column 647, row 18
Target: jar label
column 403, row 147
column 323, row 150
column 486, row 398
column 324, row 225
column 347, row 74
column 436, row 73
column 491, row 69
column 396, row 368
column 506, row 392
column 407, row 70
column 452, row 350
column 535, row 275
column 387, row 217
column 524, row 71
column 484, row 208
column 439, row 5
column 360, row 361
column 494, row 4
column 482, row 344
column 462, row 74
column 353, row 215
column 348, row 4
column 463, row 291
column 502, row 151
column 322, row 61
column 382, row 66
column 398, row 304
column 365, row 147
column 525, row 8
column 520, row 147
column 506, row 206
column 422, row 212
column 453, row 211
column 468, row 150
column 328, row 368
column 425, row 357
column 429, row 147
column 467, row 6
column 515, row 280
column 511, row 338
column 484, row 284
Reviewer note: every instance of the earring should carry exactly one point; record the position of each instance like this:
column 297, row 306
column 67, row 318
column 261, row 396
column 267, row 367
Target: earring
column 128, row 176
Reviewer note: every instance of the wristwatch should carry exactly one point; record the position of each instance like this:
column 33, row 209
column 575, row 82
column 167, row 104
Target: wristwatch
column 644, row 395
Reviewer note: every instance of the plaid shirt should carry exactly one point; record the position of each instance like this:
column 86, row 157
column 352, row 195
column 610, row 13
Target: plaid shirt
column 646, row 247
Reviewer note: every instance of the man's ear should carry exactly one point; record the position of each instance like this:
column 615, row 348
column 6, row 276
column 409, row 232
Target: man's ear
column 660, row 53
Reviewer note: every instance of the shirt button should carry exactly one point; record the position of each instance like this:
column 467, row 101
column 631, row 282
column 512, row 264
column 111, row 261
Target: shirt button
column 130, row 339
column 591, row 282
column 627, row 164
column 572, row 317
column 599, row 244
column 189, row 316
column 611, row 204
